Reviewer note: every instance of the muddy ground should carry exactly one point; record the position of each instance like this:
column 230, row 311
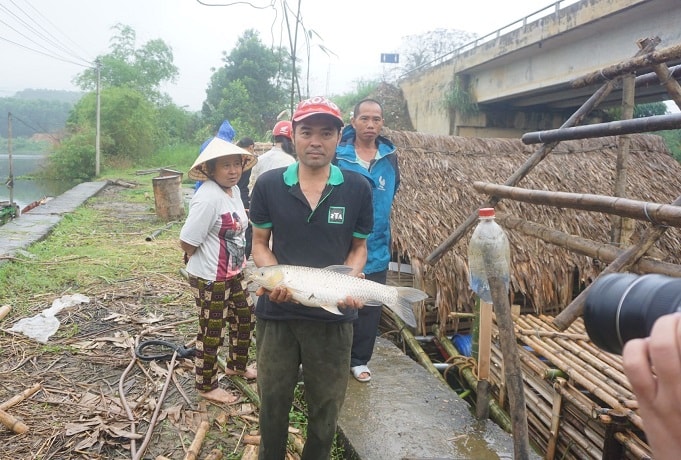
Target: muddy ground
column 94, row 400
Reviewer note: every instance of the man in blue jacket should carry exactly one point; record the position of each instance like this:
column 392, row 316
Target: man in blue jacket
column 364, row 150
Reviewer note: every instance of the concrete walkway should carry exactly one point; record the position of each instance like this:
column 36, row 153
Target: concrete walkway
column 406, row 413
column 36, row 224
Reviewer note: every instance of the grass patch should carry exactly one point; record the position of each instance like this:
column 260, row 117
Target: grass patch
column 90, row 247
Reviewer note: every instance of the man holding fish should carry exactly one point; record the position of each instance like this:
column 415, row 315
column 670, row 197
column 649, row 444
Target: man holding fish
column 317, row 216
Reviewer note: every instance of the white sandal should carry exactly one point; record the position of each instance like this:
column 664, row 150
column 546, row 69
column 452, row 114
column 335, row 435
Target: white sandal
column 359, row 370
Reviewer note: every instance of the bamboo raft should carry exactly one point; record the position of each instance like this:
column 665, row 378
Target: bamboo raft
column 579, row 402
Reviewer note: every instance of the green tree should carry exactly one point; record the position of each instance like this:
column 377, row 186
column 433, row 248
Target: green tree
column 128, row 120
column 250, row 89
column 74, row 158
column 673, row 140
column 143, row 68
column 136, row 117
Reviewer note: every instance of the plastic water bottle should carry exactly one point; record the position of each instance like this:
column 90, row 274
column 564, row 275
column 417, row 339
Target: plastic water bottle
column 488, row 236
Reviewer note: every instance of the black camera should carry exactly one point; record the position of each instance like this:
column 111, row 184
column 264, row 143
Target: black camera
column 623, row 306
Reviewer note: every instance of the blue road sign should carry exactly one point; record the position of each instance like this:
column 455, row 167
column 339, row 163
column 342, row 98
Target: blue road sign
column 390, row 58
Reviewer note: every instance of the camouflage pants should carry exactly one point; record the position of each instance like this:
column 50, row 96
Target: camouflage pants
column 221, row 304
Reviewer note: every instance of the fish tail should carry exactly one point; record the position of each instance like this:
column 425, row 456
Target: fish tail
column 404, row 309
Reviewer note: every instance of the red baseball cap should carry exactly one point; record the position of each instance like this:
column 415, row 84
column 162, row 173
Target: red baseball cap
column 282, row 128
column 318, row 105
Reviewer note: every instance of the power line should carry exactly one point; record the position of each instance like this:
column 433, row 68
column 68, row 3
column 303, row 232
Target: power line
column 45, row 54
column 52, row 40
column 56, row 29
column 28, row 125
column 53, row 49
column 257, row 7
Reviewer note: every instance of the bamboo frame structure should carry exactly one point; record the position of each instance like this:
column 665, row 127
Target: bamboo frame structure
column 570, row 417
column 579, row 403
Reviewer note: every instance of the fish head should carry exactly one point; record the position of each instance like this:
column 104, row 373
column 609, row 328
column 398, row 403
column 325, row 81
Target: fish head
column 268, row 277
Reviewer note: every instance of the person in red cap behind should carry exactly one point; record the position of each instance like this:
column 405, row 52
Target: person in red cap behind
column 281, row 153
column 317, row 215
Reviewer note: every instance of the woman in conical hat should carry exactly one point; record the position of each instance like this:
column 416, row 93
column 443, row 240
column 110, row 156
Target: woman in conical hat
column 213, row 238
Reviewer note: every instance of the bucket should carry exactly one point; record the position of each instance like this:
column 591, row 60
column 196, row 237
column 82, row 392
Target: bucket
column 462, row 342
column 168, row 197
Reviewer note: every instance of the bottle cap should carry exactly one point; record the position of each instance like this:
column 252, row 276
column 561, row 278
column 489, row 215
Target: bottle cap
column 486, row 212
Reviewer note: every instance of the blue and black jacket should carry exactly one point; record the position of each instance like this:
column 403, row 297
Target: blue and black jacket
column 384, row 176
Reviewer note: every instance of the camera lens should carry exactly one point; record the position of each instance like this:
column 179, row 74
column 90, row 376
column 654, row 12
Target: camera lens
column 623, row 306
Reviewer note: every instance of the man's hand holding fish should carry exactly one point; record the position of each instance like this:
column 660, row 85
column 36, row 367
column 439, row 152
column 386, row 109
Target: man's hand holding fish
column 280, row 294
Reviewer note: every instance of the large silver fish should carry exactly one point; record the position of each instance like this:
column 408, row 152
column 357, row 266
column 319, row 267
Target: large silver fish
column 325, row 287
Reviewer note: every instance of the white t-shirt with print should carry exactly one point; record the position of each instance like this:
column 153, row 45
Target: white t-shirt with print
column 216, row 225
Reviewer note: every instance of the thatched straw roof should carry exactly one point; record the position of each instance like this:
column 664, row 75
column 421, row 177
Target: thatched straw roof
column 437, row 195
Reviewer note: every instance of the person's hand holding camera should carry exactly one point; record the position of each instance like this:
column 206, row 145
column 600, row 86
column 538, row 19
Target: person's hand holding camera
column 653, row 366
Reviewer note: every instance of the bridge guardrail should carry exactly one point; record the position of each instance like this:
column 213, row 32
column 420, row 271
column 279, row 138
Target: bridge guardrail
column 539, row 14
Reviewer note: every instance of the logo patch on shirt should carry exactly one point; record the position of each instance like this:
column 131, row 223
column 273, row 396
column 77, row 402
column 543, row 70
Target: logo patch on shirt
column 381, row 183
column 336, row 214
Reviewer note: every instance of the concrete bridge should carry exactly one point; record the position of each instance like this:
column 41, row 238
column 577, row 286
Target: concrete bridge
column 519, row 75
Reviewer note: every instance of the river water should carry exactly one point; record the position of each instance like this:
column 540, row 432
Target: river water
column 26, row 190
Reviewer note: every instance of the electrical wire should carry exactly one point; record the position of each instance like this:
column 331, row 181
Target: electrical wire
column 40, row 52
column 40, row 129
column 238, row 3
column 59, row 43
column 45, row 44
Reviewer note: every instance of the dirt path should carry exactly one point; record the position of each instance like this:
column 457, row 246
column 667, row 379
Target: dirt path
column 85, row 368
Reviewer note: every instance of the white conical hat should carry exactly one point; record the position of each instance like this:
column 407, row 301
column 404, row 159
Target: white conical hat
column 217, row 148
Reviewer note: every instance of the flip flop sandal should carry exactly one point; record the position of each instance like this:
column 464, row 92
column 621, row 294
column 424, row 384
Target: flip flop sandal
column 359, row 370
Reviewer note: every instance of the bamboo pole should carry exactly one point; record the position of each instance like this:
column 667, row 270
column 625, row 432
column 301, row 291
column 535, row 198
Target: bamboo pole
column 664, row 214
column 584, row 246
column 523, row 171
column 157, row 232
column 642, row 60
column 16, row 399
column 215, row 454
column 250, row 453
column 634, row 447
column 13, row 423
column 601, row 361
column 4, row 310
column 613, row 128
column 573, row 432
column 652, row 78
column 512, row 371
column 551, row 334
column 580, row 377
column 496, row 412
column 591, row 378
column 484, row 347
column 415, row 346
column 623, row 262
column 666, row 77
column 195, row 446
column 620, row 232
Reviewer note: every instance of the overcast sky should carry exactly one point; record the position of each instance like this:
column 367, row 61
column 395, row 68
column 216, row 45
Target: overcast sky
column 356, row 31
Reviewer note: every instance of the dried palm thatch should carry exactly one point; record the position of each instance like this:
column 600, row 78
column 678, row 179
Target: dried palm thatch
column 437, row 195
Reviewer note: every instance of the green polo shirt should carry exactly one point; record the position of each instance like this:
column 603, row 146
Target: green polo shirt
column 310, row 237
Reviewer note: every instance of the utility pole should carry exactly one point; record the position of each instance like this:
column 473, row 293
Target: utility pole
column 99, row 78
column 10, row 180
